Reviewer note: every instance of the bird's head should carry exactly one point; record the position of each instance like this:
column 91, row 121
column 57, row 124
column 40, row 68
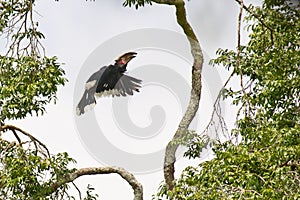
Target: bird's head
column 125, row 58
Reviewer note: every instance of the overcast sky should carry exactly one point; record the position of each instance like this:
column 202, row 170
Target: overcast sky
column 78, row 31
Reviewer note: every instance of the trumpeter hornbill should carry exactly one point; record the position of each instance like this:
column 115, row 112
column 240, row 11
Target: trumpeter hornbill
column 109, row 80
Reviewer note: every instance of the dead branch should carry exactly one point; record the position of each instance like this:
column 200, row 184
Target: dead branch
column 136, row 186
column 216, row 109
column 193, row 105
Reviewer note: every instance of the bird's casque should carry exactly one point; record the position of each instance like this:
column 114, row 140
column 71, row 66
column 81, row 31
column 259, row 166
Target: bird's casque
column 109, row 80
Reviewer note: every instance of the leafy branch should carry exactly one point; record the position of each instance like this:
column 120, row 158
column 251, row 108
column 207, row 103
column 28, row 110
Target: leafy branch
column 18, row 24
column 256, row 16
column 29, row 79
column 40, row 174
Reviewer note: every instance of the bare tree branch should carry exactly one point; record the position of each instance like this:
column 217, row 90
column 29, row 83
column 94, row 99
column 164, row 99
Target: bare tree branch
column 16, row 136
column 136, row 186
column 216, row 109
column 24, row 33
column 32, row 138
column 193, row 105
column 78, row 190
column 239, row 53
column 239, row 47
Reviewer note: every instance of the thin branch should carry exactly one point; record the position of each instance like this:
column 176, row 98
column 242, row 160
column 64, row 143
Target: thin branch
column 256, row 16
column 136, row 186
column 16, row 136
column 239, row 53
column 215, row 110
column 32, row 138
column 239, row 47
column 193, row 105
column 20, row 24
column 291, row 163
column 239, row 32
column 78, row 190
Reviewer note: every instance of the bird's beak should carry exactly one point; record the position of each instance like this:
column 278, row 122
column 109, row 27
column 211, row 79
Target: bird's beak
column 125, row 58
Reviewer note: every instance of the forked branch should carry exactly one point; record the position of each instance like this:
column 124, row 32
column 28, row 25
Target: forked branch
column 36, row 142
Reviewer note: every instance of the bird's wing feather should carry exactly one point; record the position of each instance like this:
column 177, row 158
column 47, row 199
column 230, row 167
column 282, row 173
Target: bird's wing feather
column 88, row 100
column 86, row 103
column 106, row 82
column 128, row 84
column 124, row 86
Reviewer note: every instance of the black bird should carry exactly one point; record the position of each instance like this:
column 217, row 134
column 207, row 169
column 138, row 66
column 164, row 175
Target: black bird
column 109, row 80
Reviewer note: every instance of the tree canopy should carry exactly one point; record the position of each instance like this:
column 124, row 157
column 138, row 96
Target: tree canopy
column 265, row 164
column 262, row 159
column 29, row 79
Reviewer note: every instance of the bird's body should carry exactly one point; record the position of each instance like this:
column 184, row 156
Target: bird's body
column 109, row 80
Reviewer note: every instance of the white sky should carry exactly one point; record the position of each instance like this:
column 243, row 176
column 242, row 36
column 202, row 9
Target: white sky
column 74, row 29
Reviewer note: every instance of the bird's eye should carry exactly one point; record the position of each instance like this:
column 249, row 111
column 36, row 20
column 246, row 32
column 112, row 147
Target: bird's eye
column 122, row 62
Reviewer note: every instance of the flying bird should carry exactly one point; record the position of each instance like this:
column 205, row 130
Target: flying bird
column 109, row 81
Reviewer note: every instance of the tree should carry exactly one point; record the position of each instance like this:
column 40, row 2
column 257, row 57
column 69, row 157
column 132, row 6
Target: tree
column 37, row 79
column 29, row 81
column 265, row 164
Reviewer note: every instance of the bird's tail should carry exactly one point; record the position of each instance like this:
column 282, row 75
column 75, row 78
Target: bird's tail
column 86, row 103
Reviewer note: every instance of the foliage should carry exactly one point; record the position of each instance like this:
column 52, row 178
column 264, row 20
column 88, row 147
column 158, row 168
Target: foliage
column 28, row 173
column 29, row 79
column 136, row 3
column 28, row 82
column 266, row 163
column 27, row 85
column 194, row 142
column 89, row 193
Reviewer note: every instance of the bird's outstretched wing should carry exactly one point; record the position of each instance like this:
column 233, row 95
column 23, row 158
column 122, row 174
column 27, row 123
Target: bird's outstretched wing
column 124, row 86
column 88, row 100
column 127, row 84
column 94, row 87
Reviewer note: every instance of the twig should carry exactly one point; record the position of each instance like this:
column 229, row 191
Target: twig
column 239, row 46
column 239, row 53
column 211, row 121
column 78, row 190
column 16, row 136
column 23, row 23
column 168, row 2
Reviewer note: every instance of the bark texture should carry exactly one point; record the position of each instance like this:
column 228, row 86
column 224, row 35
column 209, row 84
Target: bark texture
column 193, row 105
column 136, row 186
